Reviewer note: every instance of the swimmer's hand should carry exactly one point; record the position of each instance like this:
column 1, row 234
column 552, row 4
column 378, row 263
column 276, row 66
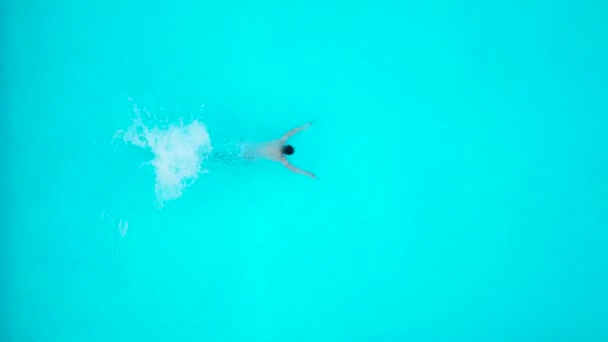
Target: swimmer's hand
column 309, row 174
column 292, row 132
column 288, row 165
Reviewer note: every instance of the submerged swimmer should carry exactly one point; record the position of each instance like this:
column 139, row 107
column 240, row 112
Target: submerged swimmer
column 278, row 150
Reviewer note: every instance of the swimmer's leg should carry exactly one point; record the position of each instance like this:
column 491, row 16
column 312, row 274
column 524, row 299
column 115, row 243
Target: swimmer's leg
column 223, row 157
column 247, row 151
column 230, row 158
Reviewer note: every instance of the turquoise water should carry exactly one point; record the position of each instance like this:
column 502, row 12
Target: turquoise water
column 460, row 149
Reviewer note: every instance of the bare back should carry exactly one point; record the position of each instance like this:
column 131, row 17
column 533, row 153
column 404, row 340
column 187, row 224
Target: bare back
column 267, row 150
column 273, row 150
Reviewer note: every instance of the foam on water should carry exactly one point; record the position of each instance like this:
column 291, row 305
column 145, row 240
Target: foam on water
column 179, row 151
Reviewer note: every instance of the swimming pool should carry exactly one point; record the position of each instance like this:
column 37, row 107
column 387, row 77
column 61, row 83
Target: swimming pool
column 460, row 150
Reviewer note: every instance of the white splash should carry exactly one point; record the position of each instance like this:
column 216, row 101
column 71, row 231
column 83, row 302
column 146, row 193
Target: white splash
column 179, row 150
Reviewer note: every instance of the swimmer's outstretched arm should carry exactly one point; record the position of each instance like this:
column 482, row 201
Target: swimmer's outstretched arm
column 294, row 131
column 288, row 165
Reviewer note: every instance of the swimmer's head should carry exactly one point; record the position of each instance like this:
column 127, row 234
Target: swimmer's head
column 287, row 150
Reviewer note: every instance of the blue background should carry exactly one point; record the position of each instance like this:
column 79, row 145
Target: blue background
column 460, row 149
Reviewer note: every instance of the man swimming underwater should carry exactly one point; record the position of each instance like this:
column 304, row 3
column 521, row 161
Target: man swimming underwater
column 278, row 150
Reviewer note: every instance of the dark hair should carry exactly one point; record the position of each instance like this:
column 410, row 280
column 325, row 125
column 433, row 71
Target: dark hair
column 288, row 150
